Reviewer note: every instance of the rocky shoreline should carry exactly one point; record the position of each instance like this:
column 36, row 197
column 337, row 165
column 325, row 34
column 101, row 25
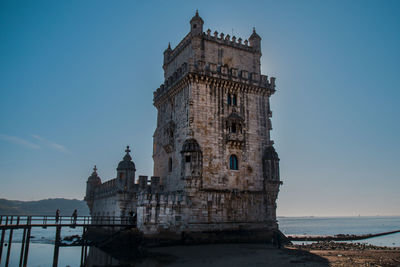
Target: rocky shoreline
column 339, row 237
column 331, row 245
column 352, row 254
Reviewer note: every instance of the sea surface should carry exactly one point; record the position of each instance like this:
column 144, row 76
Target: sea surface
column 344, row 225
column 41, row 247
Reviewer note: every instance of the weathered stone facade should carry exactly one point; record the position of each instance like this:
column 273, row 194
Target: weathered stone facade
column 214, row 163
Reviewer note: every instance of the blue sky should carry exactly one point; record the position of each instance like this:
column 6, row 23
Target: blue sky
column 77, row 80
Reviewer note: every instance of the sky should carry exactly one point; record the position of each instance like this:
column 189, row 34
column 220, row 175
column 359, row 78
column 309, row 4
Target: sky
column 77, row 81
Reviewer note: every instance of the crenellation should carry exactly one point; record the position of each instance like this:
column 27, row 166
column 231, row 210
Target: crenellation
column 217, row 71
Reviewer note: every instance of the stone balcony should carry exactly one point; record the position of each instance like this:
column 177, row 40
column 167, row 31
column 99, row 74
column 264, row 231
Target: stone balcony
column 235, row 139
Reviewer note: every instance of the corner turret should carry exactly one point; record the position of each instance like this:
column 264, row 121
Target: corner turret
column 92, row 184
column 196, row 24
column 167, row 54
column 255, row 40
column 126, row 171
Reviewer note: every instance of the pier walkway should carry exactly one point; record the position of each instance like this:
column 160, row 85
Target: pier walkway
column 27, row 222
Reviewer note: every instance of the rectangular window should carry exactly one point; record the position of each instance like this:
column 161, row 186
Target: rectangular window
column 187, row 159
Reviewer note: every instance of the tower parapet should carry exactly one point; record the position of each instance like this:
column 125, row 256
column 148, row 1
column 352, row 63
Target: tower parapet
column 213, row 73
column 217, row 48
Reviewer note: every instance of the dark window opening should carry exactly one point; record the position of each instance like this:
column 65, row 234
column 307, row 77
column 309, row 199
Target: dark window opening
column 194, row 26
column 121, row 175
column 234, row 101
column 233, row 128
column 229, row 100
column 233, row 163
column 187, row 159
column 170, row 165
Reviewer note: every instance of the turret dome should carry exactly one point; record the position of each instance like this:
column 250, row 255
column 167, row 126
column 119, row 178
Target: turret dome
column 126, row 163
column 94, row 177
column 191, row 145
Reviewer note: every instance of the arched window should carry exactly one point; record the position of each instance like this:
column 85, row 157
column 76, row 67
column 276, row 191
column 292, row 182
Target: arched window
column 233, row 163
column 229, row 100
column 169, row 165
column 234, row 100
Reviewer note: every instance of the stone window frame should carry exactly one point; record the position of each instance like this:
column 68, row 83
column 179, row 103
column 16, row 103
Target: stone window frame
column 233, row 162
column 232, row 100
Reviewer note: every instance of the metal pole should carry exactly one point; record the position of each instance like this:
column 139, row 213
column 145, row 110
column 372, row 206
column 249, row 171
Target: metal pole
column 85, row 256
column 83, row 247
column 9, row 243
column 9, row 247
column 3, row 233
column 56, row 246
column 21, row 256
column 28, row 238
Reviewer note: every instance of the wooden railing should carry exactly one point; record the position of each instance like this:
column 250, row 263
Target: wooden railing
column 18, row 221
column 26, row 222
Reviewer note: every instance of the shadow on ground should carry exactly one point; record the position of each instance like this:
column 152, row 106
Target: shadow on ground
column 209, row 255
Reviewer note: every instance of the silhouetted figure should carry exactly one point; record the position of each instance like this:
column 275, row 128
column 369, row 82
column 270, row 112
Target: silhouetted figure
column 277, row 240
column 57, row 215
column 75, row 216
column 132, row 218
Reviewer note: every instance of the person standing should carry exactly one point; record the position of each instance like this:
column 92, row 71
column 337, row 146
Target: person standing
column 75, row 216
column 57, row 215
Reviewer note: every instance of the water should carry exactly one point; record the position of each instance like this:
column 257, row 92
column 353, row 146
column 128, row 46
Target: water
column 41, row 247
column 344, row 225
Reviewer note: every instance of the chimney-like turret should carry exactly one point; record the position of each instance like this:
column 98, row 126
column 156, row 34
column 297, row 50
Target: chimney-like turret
column 167, row 53
column 255, row 41
column 92, row 183
column 196, row 24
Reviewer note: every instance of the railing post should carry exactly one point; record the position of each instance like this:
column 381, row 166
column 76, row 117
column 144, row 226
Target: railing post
column 21, row 256
column 83, row 246
column 9, row 245
column 3, row 233
column 56, row 246
column 28, row 238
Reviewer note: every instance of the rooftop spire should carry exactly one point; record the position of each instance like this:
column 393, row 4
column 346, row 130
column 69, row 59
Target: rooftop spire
column 127, row 157
column 126, row 163
column 95, row 168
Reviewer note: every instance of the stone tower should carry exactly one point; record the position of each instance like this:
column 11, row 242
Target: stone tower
column 212, row 142
column 215, row 168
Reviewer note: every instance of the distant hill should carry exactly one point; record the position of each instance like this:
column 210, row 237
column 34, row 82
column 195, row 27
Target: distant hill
column 43, row 207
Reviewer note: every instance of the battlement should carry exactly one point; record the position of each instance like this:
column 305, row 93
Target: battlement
column 107, row 188
column 215, row 71
column 223, row 39
column 219, row 38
